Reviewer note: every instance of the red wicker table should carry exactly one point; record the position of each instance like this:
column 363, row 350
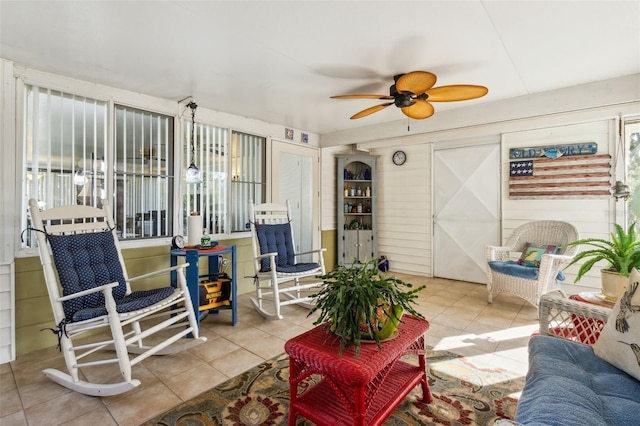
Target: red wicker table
column 355, row 391
column 588, row 329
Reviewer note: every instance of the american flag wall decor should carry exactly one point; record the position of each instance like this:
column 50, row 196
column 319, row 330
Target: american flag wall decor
column 586, row 176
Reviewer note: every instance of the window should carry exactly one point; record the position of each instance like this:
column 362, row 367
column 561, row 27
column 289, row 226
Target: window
column 249, row 177
column 143, row 173
column 233, row 170
column 209, row 198
column 67, row 160
column 632, row 135
column 64, row 150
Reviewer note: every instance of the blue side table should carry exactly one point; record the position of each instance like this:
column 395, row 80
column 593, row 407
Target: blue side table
column 192, row 256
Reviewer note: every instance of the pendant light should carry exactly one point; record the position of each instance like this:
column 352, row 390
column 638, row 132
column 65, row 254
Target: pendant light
column 193, row 172
column 620, row 190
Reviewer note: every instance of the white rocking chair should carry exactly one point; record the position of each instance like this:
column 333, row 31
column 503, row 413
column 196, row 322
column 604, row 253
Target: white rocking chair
column 279, row 279
column 78, row 245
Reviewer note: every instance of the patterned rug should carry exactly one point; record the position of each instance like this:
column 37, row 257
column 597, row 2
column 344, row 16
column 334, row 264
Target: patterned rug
column 464, row 394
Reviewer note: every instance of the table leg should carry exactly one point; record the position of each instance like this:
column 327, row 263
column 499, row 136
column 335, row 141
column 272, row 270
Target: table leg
column 192, row 276
column 359, row 407
column 293, row 392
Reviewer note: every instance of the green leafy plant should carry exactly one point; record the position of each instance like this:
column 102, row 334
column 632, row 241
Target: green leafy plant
column 622, row 252
column 353, row 294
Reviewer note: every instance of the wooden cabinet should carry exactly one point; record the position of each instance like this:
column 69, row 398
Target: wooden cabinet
column 357, row 209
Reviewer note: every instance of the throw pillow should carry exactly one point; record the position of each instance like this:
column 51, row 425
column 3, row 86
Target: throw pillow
column 532, row 255
column 619, row 341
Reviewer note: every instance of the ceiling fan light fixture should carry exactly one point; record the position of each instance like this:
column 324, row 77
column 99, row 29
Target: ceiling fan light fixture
column 410, row 92
column 193, row 174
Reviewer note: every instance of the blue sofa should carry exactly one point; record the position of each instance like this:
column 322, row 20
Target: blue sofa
column 567, row 384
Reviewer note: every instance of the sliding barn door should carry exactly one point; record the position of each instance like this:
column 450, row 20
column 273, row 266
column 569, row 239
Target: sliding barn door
column 466, row 210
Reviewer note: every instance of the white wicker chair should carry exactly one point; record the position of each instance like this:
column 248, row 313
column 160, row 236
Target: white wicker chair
column 541, row 232
column 571, row 319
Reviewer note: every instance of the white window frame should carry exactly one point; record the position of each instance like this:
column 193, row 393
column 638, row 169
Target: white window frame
column 113, row 96
column 28, row 76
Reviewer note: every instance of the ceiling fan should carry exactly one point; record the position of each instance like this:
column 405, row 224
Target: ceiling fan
column 413, row 92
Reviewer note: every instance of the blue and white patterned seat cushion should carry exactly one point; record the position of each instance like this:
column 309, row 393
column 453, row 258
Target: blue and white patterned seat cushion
column 85, row 261
column 277, row 239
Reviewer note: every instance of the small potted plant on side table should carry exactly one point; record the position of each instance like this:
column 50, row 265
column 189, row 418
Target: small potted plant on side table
column 622, row 253
column 362, row 303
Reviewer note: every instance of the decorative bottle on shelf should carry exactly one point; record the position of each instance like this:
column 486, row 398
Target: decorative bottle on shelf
column 367, row 192
column 367, row 174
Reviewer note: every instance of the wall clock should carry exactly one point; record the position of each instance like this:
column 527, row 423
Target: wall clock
column 399, row 158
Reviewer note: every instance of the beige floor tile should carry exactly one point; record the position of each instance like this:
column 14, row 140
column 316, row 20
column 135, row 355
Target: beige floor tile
column 41, row 392
column 238, row 361
column 16, row 419
column 100, row 416
column 214, row 348
column 191, row 383
column 165, row 367
column 61, row 409
column 142, row 405
column 10, row 402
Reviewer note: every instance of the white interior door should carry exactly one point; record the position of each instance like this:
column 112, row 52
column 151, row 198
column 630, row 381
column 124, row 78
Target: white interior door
column 466, row 210
column 296, row 181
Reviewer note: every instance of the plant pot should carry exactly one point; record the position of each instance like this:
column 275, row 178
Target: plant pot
column 613, row 284
column 385, row 323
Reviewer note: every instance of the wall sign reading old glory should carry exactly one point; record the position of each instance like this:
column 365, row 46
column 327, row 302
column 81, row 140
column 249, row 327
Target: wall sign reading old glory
column 555, row 151
column 579, row 174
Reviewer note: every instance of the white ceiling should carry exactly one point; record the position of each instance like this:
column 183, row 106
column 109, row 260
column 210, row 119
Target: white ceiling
column 281, row 61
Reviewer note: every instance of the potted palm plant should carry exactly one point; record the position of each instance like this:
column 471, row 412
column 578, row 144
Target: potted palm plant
column 622, row 252
column 363, row 303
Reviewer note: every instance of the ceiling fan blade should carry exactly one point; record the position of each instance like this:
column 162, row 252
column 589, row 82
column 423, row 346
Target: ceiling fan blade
column 370, row 110
column 416, row 82
column 362, row 97
column 456, row 92
column 419, row 110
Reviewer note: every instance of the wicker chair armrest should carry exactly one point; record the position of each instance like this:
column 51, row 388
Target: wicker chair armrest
column 497, row 252
column 571, row 319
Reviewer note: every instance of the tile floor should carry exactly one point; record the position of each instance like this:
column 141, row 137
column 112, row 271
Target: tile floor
column 461, row 321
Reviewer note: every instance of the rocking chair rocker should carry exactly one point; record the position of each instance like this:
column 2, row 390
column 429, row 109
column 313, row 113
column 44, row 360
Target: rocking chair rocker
column 277, row 273
column 78, row 244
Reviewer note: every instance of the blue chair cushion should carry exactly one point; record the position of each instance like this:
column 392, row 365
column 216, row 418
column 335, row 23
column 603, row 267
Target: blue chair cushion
column 276, row 238
column 568, row 385
column 512, row 268
column 85, row 261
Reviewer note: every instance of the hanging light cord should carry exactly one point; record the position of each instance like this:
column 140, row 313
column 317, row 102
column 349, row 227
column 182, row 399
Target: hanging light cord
column 193, row 107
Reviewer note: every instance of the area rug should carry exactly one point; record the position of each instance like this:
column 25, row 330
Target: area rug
column 464, row 394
